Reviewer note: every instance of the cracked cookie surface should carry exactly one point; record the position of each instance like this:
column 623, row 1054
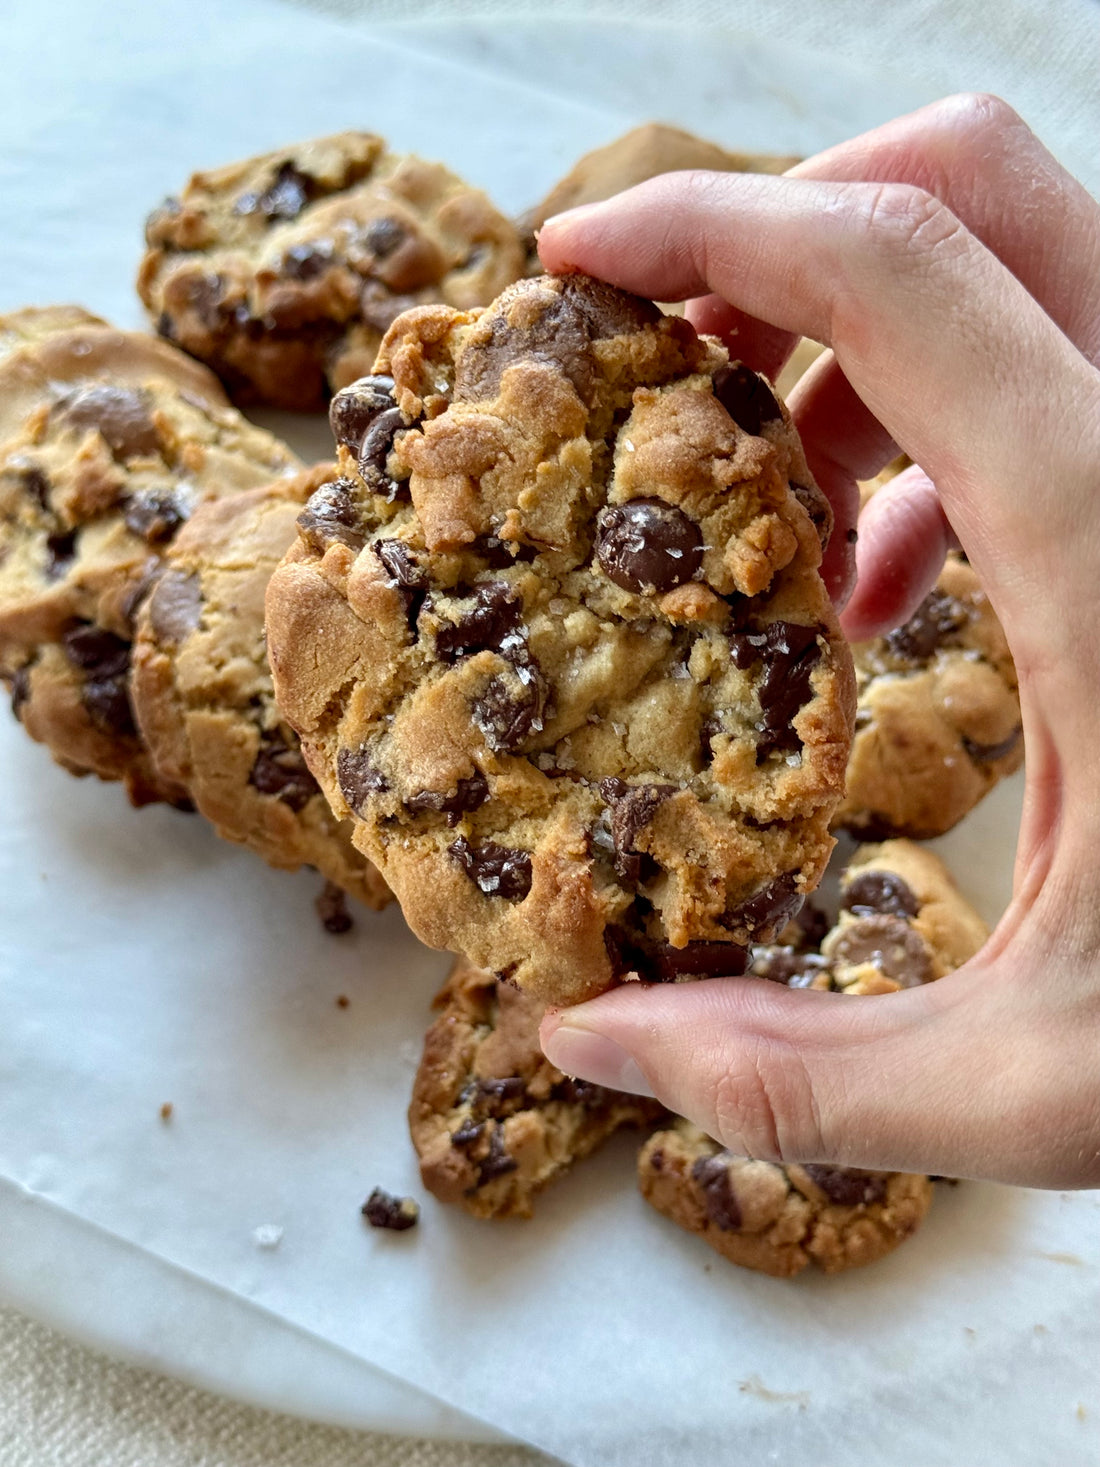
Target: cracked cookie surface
column 108, row 442
column 284, row 271
column 557, row 639
column 492, row 1120
column 202, row 688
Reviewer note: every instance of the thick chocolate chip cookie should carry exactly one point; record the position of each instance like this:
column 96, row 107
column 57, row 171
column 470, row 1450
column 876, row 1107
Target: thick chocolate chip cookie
column 108, row 442
column 492, row 1120
column 902, row 922
column 557, row 639
column 284, row 271
column 938, row 721
column 202, row 693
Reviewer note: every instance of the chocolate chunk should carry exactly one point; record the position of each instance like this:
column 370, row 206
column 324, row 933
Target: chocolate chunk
column 468, row 1134
column 666, row 964
column 496, row 1094
column 383, row 1210
column 286, row 197
column 887, row 943
column 485, row 619
column 788, row 966
column 579, row 1092
column 879, row 891
column 281, row 771
column 647, row 545
column 307, row 261
column 358, row 778
column 469, row 794
column 401, row 564
column 846, row 1185
column 746, row 397
column 630, row 809
column 120, row 415
column 556, row 326
column 107, row 702
column 204, row 293
column 789, row 653
column 354, row 408
column 383, row 236
column 332, row 908
column 331, row 515
column 820, row 511
column 60, row 550
column 154, row 514
column 175, row 607
column 770, row 908
column 712, row 1173
column 497, row 1163
column 812, row 923
column 20, row 690
column 935, row 623
column 495, row 870
column 97, row 652
column 35, row 483
column 513, row 704
column 374, row 452
column 990, row 753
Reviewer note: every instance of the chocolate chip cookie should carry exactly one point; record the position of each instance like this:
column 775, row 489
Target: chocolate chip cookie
column 557, row 640
column 284, row 271
column 108, row 442
column 902, row 922
column 938, row 721
column 202, row 693
column 492, row 1120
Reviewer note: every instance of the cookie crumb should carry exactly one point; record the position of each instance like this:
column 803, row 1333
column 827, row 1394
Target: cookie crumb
column 166, row 1111
column 382, row 1210
column 343, row 1001
column 267, row 1235
column 1082, row 1414
column 332, row 908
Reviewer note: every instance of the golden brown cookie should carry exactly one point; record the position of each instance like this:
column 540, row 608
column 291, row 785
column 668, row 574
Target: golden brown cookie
column 283, row 272
column 558, row 641
column 109, row 440
column 202, row 693
column 492, row 1120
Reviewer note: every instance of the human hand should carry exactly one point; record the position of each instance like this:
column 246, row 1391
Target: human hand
column 953, row 268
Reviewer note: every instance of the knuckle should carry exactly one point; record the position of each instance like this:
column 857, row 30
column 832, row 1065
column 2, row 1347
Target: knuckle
column 901, row 219
column 765, row 1107
column 969, row 115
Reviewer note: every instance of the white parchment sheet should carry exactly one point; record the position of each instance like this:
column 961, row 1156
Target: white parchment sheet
column 143, row 961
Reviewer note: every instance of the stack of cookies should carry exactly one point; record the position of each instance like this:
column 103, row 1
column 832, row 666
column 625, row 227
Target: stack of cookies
column 544, row 652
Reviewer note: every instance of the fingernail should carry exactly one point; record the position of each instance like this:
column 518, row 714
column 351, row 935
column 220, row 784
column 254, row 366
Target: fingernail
column 590, row 1056
column 570, row 214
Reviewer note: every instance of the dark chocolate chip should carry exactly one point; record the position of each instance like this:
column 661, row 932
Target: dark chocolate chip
column 358, row 778
column 107, row 702
column 331, row 515
column 120, row 415
column 60, row 550
column 175, row 607
column 401, row 564
column 879, row 891
column 513, row 704
column 382, row 1210
column 852, row 536
column 497, row 1092
column 469, row 794
column 495, row 870
column 288, row 194
column 789, row 966
column 887, row 943
column 497, row 1163
column 820, row 511
column 579, row 1092
column 630, row 808
column 770, row 908
column 990, row 753
column 281, row 771
column 332, row 908
column 96, row 652
column 468, row 1134
column 383, row 236
column 154, row 514
column 647, row 545
column 846, row 1185
column 712, row 1173
column 789, row 653
column 485, row 619
column 374, row 452
column 657, row 1160
column 499, row 554
column 355, row 407
column 20, row 690
column 935, row 623
column 665, row 963
column 746, row 397
column 812, row 923
column 307, row 261
column 35, row 482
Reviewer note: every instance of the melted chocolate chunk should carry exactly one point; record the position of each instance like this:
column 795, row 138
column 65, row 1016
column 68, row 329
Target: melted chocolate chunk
column 307, row 261
column 382, row 1210
column 286, row 197
column 846, row 1185
column 331, row 514
column 469, row 794
column 175, row 608
column 747, row 398
column 383, row 236
column 498, row 871
column 712, row 1173
column 485, row 619
column 770, row 908
column 332, row 908
column 788, row 966
column 354, row 408
column 513, row 704
column 120, row 415
column 879, row 891
column 887, row 943
column 374, row 451
column 497, row 1163
column 647, row 545
column 358, row 778
column 630, row 808
column 990, row 753
column 666, row 964
column 20, row 690
column 789, row 653
column 60, row 550
column 401, row 564
column 96, row 652
column 935, row 624
column 281, row 771
column 107, row 701
column 154, row 514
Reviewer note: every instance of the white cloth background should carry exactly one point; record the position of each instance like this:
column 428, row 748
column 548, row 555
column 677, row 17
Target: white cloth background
column 64, row 1406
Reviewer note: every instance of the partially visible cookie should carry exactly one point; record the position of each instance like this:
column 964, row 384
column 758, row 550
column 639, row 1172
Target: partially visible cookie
column 492, row 1120
column 202, row 691
column 284, row 271
column 938, row 722
column 108, row 441
column 779, row 1219
column 558, row 640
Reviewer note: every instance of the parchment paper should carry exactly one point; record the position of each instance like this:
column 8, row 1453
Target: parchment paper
column 144, row 961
